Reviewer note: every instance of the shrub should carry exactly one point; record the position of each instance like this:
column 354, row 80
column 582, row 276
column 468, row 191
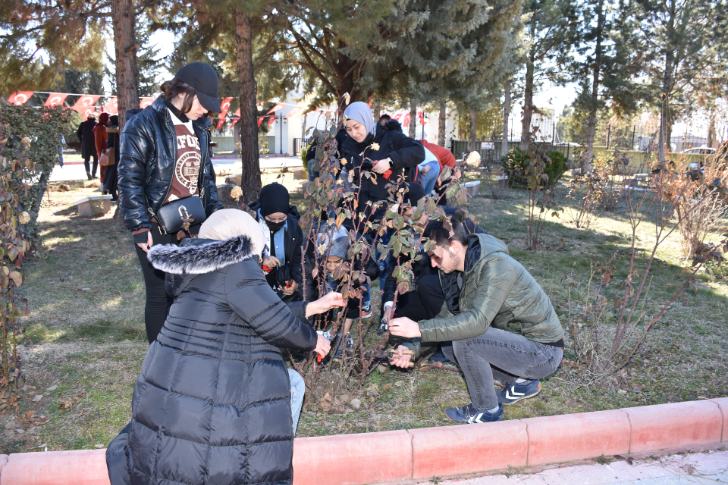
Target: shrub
column 519, row 166
column 29, row 147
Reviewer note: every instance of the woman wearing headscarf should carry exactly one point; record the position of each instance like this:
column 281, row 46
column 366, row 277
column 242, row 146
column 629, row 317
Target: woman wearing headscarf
column 165, row 157
column 212, row 402
column 388, row 153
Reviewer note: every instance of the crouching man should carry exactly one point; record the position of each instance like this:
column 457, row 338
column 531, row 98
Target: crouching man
column 497, row 319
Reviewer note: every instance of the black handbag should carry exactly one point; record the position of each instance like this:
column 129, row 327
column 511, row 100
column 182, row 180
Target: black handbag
column 181, row 214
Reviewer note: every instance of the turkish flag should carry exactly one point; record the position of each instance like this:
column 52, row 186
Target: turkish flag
column 111, row 106
column 85, row 104
column 406, row 121
column 19, row 98
column 224, row 108
column 421, row 116
column 145, row 101
column 55, row 99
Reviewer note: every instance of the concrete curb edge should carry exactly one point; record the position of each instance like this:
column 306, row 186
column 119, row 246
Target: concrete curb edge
column 447, row 451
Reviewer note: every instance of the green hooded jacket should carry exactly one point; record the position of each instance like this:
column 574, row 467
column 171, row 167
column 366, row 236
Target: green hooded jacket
column 497, row 290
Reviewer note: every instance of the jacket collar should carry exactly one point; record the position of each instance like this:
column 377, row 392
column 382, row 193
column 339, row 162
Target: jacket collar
column 160, row 106
column 200, row 256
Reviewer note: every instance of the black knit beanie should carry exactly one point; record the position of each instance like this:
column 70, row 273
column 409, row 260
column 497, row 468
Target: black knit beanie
column 273, row 198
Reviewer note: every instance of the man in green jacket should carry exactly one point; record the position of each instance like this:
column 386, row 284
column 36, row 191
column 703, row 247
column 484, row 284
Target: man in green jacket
column 497, row 318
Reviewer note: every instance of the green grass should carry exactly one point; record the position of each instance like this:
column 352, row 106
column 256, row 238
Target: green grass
column 84, row 338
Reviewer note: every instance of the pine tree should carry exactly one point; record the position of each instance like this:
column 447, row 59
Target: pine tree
column 603, row 52
column 337, row 43
column 676, row 37
column 148, row 58
column 548, row 29
column 242, row 40
column 39, row 41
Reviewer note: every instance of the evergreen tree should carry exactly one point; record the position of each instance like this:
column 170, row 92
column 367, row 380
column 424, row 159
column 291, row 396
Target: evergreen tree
column 148, row 58
column 39, row 41
column 453, row 50
column 338, row 44
column 549, row 30
column 242, row 35
column 676, row 38
column 603, row 52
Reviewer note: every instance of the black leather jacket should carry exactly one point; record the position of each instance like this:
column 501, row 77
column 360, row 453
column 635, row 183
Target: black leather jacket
column 146, row 165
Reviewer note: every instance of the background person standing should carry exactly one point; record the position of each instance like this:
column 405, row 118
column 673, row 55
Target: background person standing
column 85, row 134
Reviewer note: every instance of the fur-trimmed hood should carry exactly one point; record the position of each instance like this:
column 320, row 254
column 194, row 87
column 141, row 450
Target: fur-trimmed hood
column 200, row 256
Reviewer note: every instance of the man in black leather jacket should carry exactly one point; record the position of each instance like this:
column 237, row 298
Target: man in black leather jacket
column 164, row 156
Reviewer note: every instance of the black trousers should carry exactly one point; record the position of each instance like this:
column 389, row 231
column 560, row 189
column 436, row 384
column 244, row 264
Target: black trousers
column 157, row 301
column 87, row 165
column 424, row 302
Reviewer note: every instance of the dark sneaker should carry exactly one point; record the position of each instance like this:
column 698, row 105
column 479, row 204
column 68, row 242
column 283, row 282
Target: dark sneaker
column 470, row 415
column 514, row 392
column 365, row 312
column 382, row 328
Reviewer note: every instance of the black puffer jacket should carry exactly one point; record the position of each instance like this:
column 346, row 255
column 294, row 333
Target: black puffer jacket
column 212, row 402
column 146, row 164
column 404, row 152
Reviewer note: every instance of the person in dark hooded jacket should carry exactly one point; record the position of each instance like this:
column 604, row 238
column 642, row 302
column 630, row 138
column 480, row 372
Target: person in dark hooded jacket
column 164, row 156
column 282, row 258
column 212, row 402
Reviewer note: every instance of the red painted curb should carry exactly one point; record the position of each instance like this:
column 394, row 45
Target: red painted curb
column 457, row 450
column 674, row 426
column 393, row 456
column 572, row 437
column 722, row 403
column 77, row 467
column 352, row 458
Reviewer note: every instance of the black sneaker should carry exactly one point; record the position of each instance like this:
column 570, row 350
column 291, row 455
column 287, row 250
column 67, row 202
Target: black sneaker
column 514, row 392
column 471, row 415
column 382, row 328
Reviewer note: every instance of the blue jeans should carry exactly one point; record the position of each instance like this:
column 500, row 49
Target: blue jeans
column 427, row 180
column 298, row 389
column 506, row 355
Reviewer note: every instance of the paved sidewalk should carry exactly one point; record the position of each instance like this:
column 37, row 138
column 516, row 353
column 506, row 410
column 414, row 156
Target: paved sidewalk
column 73, row 168
column 706, row 468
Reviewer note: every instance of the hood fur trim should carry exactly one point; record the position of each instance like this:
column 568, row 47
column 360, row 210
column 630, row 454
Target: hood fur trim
column 200, row 258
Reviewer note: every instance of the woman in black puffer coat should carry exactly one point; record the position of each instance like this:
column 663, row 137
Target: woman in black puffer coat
column 212, row 402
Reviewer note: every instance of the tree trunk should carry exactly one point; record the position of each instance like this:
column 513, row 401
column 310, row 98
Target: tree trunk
column 442, row 123
column 506, row 116
column 250, row 180
column 711, row 129
column 528, row 101
column 377, row 110
column 413, row 119
column 591, row 125
column 667, row 81
column 665, row 132
column 473, row 136
column 125, row 49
